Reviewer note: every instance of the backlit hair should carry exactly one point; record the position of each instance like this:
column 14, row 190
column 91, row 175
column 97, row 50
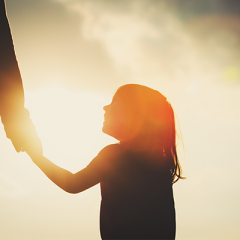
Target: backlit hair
column 151, row 119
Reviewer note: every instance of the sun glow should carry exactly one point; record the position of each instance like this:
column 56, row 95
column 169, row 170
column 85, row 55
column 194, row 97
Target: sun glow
column 69, row 124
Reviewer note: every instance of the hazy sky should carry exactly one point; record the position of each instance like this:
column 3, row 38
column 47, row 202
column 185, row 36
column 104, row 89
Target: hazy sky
column 73, row 55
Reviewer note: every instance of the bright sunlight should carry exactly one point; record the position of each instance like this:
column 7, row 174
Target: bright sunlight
column 69, row 124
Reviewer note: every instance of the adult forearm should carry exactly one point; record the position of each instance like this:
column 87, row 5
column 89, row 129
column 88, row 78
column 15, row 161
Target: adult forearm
column 15, row 118
column 11, row 88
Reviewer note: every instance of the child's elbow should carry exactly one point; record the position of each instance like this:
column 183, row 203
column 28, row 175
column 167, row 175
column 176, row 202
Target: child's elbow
column 71, row 191
column 72, row 188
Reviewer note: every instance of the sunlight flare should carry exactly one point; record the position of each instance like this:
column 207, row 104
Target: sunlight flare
column 69, row 123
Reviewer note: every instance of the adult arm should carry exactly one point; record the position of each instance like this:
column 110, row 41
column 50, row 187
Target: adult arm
column 15, row 118
column 12, row 94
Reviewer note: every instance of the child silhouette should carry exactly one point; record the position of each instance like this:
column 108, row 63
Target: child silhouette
column 136, row 174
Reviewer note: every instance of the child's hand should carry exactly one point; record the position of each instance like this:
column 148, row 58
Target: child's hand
column 32, row 145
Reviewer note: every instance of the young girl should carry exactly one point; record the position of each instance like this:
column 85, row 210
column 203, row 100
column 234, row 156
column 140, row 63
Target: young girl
column 135, row 175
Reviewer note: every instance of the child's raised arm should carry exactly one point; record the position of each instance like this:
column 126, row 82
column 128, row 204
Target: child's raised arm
column 69, row 182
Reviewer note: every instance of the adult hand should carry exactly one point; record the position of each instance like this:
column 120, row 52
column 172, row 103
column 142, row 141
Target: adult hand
column 20, row 130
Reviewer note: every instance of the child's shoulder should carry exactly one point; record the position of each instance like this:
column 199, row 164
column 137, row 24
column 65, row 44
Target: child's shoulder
column 111, row 150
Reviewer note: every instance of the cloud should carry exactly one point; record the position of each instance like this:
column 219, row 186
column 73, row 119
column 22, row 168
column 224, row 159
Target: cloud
column 150, row 41
column 139, row 36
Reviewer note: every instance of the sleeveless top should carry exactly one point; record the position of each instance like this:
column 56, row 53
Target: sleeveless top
column 137, row 197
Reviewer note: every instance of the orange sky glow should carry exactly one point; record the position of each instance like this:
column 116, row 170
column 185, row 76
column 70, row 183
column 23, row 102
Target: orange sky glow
column 73, row 55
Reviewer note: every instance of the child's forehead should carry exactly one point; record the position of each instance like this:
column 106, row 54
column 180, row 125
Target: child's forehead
column 117, row 95
column 126, row 94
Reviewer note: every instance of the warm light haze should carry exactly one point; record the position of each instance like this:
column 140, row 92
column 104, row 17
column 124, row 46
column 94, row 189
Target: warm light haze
column 73, row 55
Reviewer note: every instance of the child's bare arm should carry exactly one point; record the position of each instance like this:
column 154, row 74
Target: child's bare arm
column 69, row 182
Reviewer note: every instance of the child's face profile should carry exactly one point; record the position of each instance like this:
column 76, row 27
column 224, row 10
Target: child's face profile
column 115, row 118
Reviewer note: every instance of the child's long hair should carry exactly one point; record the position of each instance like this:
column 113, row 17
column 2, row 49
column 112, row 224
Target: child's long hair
column 152, row 124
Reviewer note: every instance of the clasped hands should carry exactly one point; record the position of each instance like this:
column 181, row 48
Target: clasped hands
column 20, row 130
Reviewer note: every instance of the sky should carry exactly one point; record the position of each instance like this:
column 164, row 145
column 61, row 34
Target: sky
column 73, row 55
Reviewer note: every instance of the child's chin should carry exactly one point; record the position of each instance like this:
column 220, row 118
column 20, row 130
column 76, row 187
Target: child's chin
column 105, row 130
column 108, row 132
